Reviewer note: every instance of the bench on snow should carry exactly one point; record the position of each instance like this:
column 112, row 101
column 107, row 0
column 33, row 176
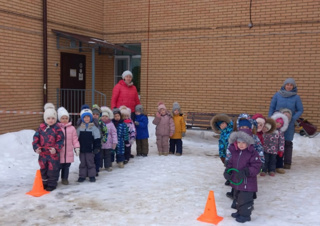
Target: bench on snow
column 202, row 120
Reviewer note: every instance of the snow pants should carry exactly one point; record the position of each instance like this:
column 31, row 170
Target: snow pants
column 244, row 202
column 49, row 168
column 87, row 168
column 163, row 144
column 175, row 143
column 97, row 161
column 270, row 162
column 288, row 152
column 105, row 158
column 64, row 167
column 119, row 155
column 142, row 146
column 127, row 153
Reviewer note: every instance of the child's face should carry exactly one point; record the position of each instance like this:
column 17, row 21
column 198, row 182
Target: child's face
column 104, row 118
column 125, row 116
column 279, row 125
column 50, row 121
column 260, row 126
column 86, row 119
column 288, row 115
column 163, row 111
column 138, row 113
column 176, row 112
column 95, row 115
column 242, row 145
column 117, row 117
column 223, row 125
column 64, row 119
column 243, row 127
column 265, row 129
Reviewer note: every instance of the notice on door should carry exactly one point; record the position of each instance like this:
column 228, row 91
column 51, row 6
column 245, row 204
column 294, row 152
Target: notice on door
column 80, row 76
column 73, row 72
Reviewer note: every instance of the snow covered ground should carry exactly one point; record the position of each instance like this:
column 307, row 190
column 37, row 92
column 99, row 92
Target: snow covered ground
column 156, row 190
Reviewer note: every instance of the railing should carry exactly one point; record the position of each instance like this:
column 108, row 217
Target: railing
column 73, row 99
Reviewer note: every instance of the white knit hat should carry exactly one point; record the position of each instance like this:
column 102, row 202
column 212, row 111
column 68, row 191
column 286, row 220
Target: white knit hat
column 49, row 111
column 125, row 73
column 62, row 112
column 125, row 110
column 107, row 112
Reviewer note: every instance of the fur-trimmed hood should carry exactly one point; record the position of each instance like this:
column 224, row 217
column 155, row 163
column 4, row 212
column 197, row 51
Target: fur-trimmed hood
column 273, row 125
column 219, row 118
column 243, row 135
column 284, row 118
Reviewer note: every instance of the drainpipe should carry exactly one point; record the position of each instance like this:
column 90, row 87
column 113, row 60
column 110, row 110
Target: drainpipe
column 45, row 51
column 93, row 75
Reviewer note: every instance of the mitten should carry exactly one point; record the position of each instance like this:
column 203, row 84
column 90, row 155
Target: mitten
column 114, row 146
column 242, row 174
column 183, row 134
column 52, row 151
column 158, row 115
column 77, row 151
column 227, row 175
column 96, row 151
column 38, row 150
column 136, row 123
column 280, row 154
column 131, row 141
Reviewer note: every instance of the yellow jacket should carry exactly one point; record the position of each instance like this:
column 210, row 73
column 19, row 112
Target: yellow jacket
column 180, row 126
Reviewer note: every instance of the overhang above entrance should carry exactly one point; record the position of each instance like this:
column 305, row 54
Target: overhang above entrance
column 82, row 42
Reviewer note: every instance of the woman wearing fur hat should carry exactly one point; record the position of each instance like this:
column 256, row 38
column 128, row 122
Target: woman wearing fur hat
column 223, row 125
column 71, row 143
column 125, row 93
column 287, row 97
column 164, row 128
column 90, row 144
column 179, row 132
column 109, row 137
column 47, row 142
column 245, row 159
column 274, row 144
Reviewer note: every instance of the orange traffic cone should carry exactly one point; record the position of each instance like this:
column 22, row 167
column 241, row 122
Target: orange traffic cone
column 37, row 189
column 210, row 212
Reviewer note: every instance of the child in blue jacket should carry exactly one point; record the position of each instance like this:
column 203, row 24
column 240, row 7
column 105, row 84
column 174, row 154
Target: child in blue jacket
column 141, row 123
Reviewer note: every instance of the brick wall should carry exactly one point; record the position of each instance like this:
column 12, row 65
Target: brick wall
column 199, row 53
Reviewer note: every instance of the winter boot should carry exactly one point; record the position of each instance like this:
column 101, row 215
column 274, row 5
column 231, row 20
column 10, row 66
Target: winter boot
column 235, row 215
column 262, row 174
column 280, row 171
column 272, row 174
column 287, row 166
column 92, row 179
column 50, row 188
column 65, row 181
column 242, row 219
column 170, row 153
column 109, row 169
column 227, row 183
column 234, row 204
column 165, row 153
column 120, row 165
column 178, row 154
column 81, row 179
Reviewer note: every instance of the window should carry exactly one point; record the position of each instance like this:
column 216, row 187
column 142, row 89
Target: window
column 121, row 64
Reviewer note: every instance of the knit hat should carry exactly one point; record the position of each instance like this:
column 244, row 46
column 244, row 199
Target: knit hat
column 49, row 111
column 106, row 111
column 291, row 81
column 116, row 111
column 62, row 112
column 139, row 108
column 125, row 73
column 125, row 111
column 96, row 109
column 85, row 106
column 280, row 120
column 286, row 110
column 161, row 106
column 245, row 122
column 86, row 112
column 176, row 106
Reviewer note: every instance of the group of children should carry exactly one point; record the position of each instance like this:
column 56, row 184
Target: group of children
column 250, row 146
column 102, row 137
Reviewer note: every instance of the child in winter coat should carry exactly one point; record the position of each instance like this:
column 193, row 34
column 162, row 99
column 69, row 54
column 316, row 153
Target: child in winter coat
column 90, row 144
column 126, row 114
column 271, row 147
column 123, row 138
column 261, row 120
column 245, row 159
column 180, row 130
column 274, row 145
column 71, row 143
column 223, row 125
column 96, row 112
column 109, row 137
column 164, row 128
column 48, row 142
column 141, row 123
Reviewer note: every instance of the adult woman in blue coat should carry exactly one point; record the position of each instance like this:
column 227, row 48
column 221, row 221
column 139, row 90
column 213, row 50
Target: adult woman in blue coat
column 288, row 98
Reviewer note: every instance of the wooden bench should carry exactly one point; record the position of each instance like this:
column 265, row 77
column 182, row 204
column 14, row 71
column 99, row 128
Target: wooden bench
column 202, row 120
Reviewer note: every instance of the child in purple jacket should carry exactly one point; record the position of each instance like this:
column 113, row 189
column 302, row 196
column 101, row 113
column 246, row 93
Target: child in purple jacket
column 245, row 159
column 109, row 137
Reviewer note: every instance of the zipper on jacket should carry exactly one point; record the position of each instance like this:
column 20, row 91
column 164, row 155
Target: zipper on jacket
column 65, row 147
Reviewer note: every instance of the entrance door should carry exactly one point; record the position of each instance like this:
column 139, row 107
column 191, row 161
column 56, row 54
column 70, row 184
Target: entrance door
column 121, row 64
column 73, row 83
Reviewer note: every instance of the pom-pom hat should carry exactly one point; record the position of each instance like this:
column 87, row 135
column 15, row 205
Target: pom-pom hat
column 107, row 112
column 86, row 112
column 49, row 111
column 161, row 106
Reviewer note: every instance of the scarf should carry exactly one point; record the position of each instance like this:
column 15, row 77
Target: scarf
column 104, row 130
column 284, row 93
